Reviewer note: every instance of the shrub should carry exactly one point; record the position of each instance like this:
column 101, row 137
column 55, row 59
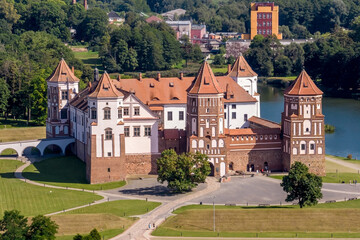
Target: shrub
column 329, row 128
column 349, row 156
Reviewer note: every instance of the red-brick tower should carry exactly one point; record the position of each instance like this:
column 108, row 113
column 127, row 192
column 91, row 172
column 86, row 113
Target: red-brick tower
column 62, row 86
column 302, row 125
column 205, row 119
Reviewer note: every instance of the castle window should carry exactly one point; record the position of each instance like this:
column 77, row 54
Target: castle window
column 303, row 146
column 119, row 112
column 63, row 113
column 169, row 116
column 233, row 106
column 93, row 113
column 126, row 131
column 245, row 117
column 207, row 110
column 207, row 146
column 136, row 131
column 136, row 111
column 64, row 95
column 107, row 113
column 108, row 134
column 126, row 111
column 225, row 115
column 109, row 155
column 224, row 106
column 181, row 115
column 109, row 168
column 312, row 146
column 233, row 115
column 147, row 131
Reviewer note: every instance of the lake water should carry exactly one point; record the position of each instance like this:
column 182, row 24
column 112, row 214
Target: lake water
column 344, row 114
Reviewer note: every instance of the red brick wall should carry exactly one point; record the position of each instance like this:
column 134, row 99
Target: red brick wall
column 141, row 163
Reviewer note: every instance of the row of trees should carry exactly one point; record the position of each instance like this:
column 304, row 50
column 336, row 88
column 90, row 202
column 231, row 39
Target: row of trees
column 300, row 18
column 333, row 58
column 138, row 45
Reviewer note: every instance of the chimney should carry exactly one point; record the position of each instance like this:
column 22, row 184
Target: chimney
column 181, row 75
column 96, row 74
column 158, row 76
column 85, row 5
column 229, row 68
column 73, row 69
column 119, row 77
column 140, row 76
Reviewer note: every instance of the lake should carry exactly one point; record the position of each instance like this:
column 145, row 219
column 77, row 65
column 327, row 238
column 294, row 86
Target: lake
column 344, row 114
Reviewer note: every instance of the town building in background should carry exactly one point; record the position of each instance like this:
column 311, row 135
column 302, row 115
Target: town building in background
column 115, row 18
column 264, row 20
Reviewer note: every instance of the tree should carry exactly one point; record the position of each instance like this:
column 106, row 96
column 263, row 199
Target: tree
column 182, row 172
column 94, row 235
column 4, row 95
column 282, row 66
column 302, row 186
column 13, row 226
column 42, row 228
column 219, row 59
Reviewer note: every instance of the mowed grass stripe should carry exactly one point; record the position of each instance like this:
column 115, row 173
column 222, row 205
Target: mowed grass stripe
column 197, row 220
column 31, row 200
column 110, row 218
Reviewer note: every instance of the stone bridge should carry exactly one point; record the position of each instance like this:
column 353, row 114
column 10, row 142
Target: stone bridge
column 24, row 147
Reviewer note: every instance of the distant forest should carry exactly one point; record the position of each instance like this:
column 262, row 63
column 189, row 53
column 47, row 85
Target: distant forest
column 298, row 18
column 34, row 35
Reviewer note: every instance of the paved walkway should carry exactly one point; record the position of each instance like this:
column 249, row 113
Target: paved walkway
column 140, row 230
column 343, row 163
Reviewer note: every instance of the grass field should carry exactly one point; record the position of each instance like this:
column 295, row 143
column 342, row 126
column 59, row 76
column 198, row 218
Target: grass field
column 110, row 218
column 66, row 171
column 288, row 221
column 89, row 58
column 31, row 200
column 18, row 134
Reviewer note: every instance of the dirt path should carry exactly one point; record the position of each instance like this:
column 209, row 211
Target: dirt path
column 343, row 163
column 140, row 230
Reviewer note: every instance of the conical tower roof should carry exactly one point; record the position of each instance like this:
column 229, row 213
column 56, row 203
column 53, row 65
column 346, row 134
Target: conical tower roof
column 62, row 73
column 105, row 88
column 241, row 68
column 205, row 81
column 303, row 85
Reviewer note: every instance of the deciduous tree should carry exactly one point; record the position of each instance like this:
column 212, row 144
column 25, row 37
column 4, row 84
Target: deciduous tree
column 302, row 186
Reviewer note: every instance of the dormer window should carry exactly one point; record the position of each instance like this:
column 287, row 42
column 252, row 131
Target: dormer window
column 151, row 85
column 155, row 99
column 171, row 84
column 106, row 87
column 175, row 98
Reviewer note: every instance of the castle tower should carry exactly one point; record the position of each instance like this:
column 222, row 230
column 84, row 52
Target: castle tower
column 106, row 145
column 62, row 86
column 302, row 125
column 205, row 119
column 243, row 74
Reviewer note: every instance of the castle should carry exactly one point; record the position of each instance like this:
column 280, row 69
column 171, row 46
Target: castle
column 122, row 125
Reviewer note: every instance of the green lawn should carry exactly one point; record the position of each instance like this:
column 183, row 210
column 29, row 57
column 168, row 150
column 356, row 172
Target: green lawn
column 110, row 218
column 89, row 58
column 323, row 220
column 22, row 133
column 66, row 171
column 31, row 200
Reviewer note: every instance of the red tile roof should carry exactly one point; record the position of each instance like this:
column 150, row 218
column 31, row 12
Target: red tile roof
column 303, row 85
column 263, row 122
column 105, row 88
column 241, row 68
column 153, row 19
column 205, row 81
column 62, row 73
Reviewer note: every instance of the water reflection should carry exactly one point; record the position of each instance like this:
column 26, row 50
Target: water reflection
column 344, row 114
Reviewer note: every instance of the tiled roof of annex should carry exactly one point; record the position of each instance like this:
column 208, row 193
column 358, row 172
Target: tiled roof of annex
column 173, row 90
column 303, row 85
column 62, row 73
column 105, row 88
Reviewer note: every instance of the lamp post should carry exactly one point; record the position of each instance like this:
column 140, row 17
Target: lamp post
column 214, row 211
